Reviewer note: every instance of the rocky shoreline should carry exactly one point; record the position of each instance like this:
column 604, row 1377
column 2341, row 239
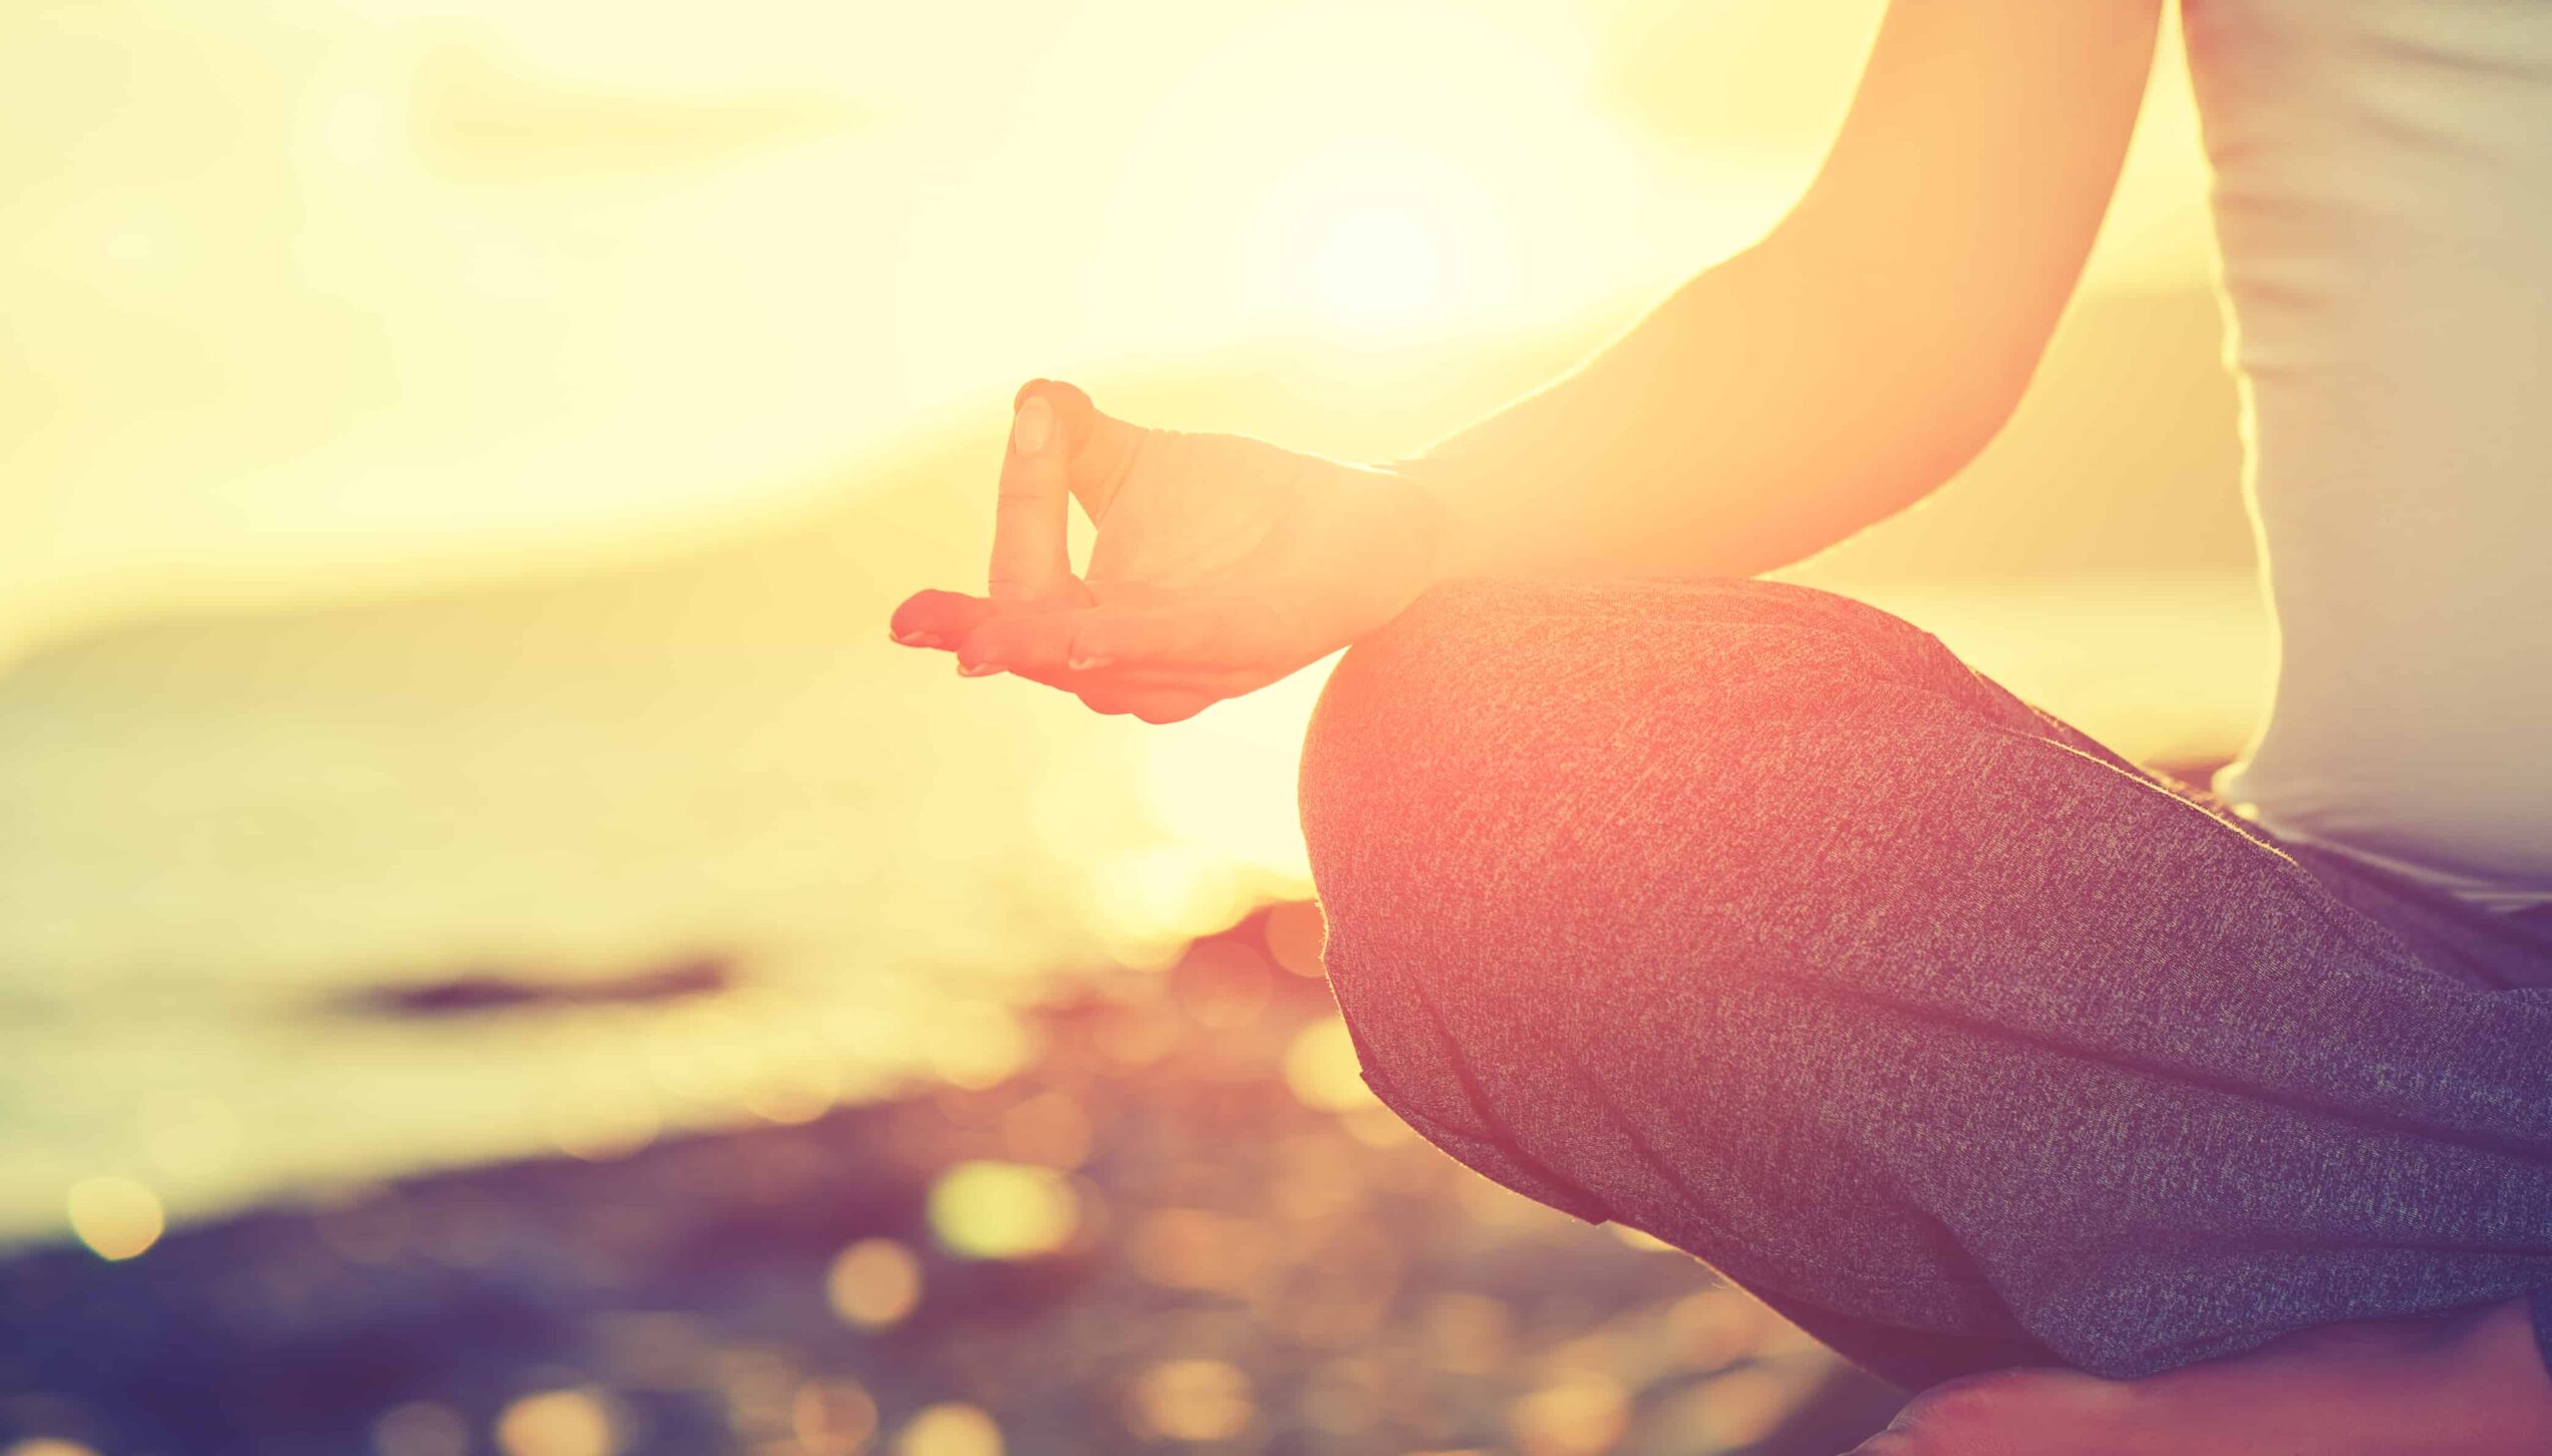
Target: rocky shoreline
column 1182, row 1227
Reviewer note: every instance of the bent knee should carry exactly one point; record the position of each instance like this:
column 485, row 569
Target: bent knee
column 1517, row 792
column 1405, row 731
column 1497, row 710
column 1453, row 675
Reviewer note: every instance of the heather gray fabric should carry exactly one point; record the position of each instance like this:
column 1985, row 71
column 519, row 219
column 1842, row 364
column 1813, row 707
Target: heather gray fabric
column 1749, row 916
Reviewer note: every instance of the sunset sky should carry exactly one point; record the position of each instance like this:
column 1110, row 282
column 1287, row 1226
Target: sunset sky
column 299, row 293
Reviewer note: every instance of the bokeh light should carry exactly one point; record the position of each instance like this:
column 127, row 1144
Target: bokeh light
column 1578, row 1415
column 1195, row 1400
column 1152, row 900
column 874, row 1283
column 558, row 1423
column 993, row 1210
column 116, row 1217
column 951, row 1428
column 1322, row 1068
column 974, row 1044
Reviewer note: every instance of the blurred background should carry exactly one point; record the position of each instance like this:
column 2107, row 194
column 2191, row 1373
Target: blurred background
column 500, row 954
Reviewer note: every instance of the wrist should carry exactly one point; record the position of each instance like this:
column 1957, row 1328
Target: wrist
column 1447, row 542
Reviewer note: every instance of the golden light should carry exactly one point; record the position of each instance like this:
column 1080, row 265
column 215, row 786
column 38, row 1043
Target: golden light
column 1378, row 268
column 1193, row 1400
column 988, row 1210
column 1712, row 1330
column 1151, row 901
column 873, row 1284
column 1451, row 169
column 797, row 1091
column 1743, row 1405
column 1385, row 240
column 1376, row 1126
column 596, row 1123
column 1576, row 1415
column 549, row 274
column 1641, row 1240
column 116, row 1217
column 1322, row 1070
column 951, row 1428
column 977, row 1044
column 533, row 285
column 558, row 1423
column 546, row 274
column 189, row 1133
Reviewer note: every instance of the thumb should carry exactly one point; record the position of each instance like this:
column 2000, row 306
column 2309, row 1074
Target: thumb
column 1032, row 559
column 1100, row 449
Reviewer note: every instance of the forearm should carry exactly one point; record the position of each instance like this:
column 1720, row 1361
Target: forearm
column 1771, row 406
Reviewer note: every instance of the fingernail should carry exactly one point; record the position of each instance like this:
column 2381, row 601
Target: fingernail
column 977, row 670
column 1087, row 664
column 910, row 639
column 1032, row 425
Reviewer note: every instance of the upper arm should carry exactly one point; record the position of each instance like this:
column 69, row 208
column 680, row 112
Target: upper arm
column 1964, row 190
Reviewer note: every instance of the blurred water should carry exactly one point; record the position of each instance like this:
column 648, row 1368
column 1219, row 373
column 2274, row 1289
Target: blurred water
column 209, row 831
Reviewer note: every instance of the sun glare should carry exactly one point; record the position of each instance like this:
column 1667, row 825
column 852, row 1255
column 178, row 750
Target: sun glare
column 1381, row 240
column 1377, row 270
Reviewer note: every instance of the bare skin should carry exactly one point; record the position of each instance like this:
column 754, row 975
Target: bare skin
column 1815, row 383
column 1776, row 403
column 2471, row 1384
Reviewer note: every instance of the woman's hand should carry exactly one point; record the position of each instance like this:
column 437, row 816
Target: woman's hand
column 1222, row 563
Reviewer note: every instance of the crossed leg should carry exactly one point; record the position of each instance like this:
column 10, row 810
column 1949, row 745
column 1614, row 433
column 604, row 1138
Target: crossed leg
column 1749, row 916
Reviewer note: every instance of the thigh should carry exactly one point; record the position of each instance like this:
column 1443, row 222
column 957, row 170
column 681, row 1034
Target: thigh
column 2457, row 939
column 1749, row 916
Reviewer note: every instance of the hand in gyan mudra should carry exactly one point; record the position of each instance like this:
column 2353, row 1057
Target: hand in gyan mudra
column 1221, row 563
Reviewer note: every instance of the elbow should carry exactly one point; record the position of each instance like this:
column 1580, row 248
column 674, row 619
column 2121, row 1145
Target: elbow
column 1974, row 415
column 1966, row 389
column 1938, row 415
column 1984, row 345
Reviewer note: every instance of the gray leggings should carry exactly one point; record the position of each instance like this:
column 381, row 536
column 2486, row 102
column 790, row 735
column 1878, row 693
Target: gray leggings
column 1749, row 916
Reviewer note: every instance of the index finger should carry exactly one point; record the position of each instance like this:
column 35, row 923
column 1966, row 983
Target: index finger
column 1032, row 558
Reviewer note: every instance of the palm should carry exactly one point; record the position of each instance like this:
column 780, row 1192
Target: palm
column 1221, row 563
